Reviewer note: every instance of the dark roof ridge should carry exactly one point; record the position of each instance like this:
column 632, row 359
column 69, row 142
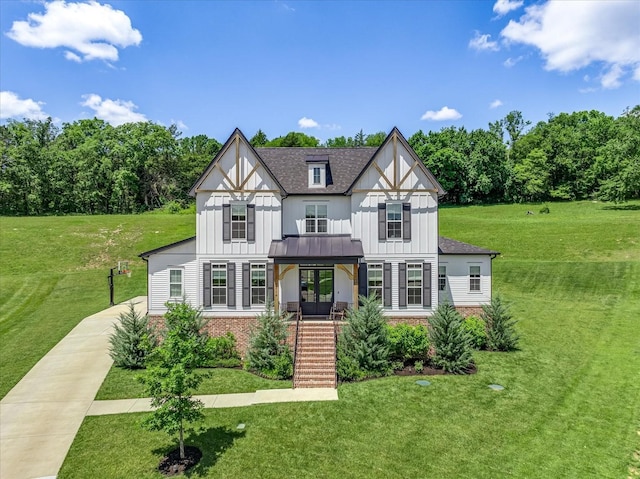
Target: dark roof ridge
column 452, row 246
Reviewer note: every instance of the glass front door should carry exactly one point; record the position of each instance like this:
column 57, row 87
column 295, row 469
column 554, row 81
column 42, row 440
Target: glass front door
column 316, row 291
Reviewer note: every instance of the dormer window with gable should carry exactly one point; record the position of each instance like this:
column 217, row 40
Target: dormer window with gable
column 317, row 165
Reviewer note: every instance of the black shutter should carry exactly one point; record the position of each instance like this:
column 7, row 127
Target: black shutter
column 270, row 283
column 362, row 281
column 426, row 284
column 402, row 284
column 246, row 285
column 231, row 284
column 206, row 285
column 406, row 221
column 251, row 223
column 382, row 221
column 386, row 281
column 226, row 222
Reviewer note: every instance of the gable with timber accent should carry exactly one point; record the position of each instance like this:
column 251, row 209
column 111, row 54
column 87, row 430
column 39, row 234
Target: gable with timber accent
column 237, row 169
column 395, row 168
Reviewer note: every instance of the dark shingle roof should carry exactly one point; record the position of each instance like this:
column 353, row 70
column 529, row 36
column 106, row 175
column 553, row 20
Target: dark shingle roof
column 451, row 246
column 289, row 165
column 297, row 248
column 146, row 254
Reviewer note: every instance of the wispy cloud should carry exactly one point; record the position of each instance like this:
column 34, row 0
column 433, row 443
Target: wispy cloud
column 573, row 35
column 502, row 7
column 180, row 124
column 510, row 62
column 90, row 31
column 116, row 112
column 305, row 122
column 495, row 104
column 12, row 106
column 483, row 42
column 443, row 114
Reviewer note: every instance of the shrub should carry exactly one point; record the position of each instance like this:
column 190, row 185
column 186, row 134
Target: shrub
column 222, row 347
column 544, row 210
column 419, row 366
column 132, row 340
column 501, row 332
column 408, row 342
column 268, row 352
column 453, row 351
column 363, row 344
column 476, row 328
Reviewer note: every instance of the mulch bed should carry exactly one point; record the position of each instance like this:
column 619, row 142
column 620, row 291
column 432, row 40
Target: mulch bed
column 172, row 465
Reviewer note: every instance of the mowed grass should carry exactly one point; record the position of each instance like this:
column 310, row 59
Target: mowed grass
column 570, row 407
column 53, row 273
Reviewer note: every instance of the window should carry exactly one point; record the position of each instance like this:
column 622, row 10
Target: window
column 218, row 284
column 175, row 283
column 442, row 278
column 414, row 284
column 374, row 280
column 317, row 175
column 258, row 283
column 394, row 220
column 315, row 218
column 238, row 221
column 474, row 278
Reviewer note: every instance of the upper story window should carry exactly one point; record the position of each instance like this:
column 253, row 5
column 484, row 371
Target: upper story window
column 374, row 280
column 315, row 218
column 474, row 278
column 442, row 278
column 176, row 289
column 394, row 220
column 317, row 175
column 238, row 221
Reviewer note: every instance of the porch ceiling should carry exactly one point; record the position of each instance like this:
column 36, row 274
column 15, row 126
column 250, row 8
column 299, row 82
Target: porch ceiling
column 317, row 249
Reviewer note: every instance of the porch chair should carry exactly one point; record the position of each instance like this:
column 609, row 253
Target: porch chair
column 338, row 310
column 294, row 308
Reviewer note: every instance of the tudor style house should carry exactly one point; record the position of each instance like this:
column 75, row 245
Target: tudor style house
column 312, row 228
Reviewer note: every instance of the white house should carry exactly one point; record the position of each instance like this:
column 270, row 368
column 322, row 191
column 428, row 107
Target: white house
column 316, row 226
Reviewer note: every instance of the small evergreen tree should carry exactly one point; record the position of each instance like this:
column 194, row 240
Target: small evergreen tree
column 501, row 332
column 171, row 377
column 131, row 340
column 363, row 344
column 450, row 339
column 268, row 351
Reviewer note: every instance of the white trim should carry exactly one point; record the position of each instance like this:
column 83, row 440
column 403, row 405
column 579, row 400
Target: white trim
column 181, row 295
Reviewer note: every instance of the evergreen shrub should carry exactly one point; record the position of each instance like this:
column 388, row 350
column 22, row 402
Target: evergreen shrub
column 408, row 343
column 222, row 351
column 132, row 340
column 476, row 328
column 501, row 332
column 451, row 341
column 268, row 352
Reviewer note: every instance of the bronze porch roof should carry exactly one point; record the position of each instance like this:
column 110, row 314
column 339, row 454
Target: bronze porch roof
column 317, row 249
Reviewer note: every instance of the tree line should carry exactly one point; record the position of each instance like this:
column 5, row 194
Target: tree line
column 91, row 167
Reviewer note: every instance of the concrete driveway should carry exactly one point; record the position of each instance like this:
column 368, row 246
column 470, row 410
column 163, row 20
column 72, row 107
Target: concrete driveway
column 41, row 415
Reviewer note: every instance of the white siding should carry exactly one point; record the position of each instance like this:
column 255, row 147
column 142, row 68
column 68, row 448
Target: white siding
column 182, row 256
column 338, row 213
column 458, row 291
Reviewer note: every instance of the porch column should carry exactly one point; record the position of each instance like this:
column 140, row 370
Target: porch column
column 276, row 286
column 355, row 286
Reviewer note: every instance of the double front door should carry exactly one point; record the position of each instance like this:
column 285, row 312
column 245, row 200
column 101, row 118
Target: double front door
column 316, row 290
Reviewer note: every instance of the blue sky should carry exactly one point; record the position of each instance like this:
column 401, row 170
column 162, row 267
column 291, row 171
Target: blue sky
column 324, row 68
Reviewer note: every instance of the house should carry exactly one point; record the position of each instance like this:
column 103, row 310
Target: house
column 316, row 226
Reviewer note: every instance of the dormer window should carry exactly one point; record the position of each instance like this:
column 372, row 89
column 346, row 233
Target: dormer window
column 317, row 165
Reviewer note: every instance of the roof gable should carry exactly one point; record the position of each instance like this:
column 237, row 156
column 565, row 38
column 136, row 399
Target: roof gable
column 237, row 180
column 451, row 246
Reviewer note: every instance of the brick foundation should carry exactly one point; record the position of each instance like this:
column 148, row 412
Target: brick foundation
column 469, row 310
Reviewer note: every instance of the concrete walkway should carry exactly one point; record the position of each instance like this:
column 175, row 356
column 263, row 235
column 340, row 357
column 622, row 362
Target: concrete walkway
column 265, row 396
column 41, row 415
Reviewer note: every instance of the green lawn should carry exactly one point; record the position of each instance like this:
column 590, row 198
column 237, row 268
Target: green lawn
column 122, row 383
column 570, row 408
column 53, row 273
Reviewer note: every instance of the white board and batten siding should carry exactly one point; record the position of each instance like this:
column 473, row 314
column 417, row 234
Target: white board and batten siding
column 183, row 257
column 458, row 290
column 338, row 213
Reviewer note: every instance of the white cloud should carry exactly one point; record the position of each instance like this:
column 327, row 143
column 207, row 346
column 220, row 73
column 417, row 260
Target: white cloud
column 444, row 113
column 332, row 127
column 482, row 42
column 573, row 35
column 92, row 30
column 116, row 112
column 12, row 106
column 180, row 124
column 509, row 62
column 502, row 7
column 305, row 122
column 495, row 104
column 636, row 73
